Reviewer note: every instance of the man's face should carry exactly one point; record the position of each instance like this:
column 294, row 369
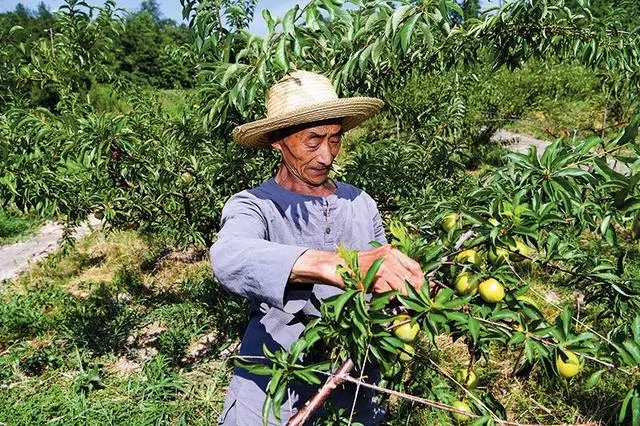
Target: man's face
column 309, row 151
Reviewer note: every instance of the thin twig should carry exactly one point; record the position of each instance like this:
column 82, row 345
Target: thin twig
column 439, row 405
column 355, row 397
column 466, row 391
column 464, row 237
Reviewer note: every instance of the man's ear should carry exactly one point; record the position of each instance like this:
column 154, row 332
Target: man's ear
column 277, row 145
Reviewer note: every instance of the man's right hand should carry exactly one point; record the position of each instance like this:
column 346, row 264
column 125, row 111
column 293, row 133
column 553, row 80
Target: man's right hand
column 395, row 269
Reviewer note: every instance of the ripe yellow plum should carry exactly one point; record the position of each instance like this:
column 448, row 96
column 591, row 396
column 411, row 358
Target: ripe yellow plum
column 571, row 367
column 450, row 222
column 491, row 290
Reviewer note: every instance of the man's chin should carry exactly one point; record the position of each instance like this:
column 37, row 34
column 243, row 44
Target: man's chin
column 318, row 179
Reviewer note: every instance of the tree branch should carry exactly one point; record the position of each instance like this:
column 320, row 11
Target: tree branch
column 316, row 401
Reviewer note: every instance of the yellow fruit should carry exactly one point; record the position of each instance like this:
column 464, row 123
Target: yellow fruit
column 406, row 332
column 498, row 255
column 571, row 367
column 407, row 353
column 470, row 256
column 491, row 290
column 462, row 406
column 467, row 378
column 450, row 222
column 465, row 284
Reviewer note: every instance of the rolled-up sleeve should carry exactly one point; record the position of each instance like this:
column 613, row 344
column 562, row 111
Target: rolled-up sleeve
column 245, row 262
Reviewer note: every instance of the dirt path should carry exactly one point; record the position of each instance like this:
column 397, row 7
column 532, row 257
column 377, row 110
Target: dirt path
column 520, row 143
column 15, row 258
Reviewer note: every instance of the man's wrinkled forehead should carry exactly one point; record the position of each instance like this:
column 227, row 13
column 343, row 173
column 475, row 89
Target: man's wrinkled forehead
column 331, row 127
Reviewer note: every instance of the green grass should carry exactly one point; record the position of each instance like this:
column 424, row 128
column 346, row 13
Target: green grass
column 117, row 331
column 15, row 227
column 565, row 118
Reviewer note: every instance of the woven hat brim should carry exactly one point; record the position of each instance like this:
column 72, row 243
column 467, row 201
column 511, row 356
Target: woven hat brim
column 353, row 111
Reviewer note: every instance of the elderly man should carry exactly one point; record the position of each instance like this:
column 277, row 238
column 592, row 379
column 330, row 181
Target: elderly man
column 277, row 244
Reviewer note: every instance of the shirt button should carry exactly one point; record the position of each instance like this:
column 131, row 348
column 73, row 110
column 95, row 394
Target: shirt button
column 328, row 230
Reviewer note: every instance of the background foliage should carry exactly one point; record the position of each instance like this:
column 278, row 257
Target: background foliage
column 127, row 117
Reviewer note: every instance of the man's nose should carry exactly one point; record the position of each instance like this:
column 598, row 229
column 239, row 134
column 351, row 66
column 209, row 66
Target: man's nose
column 325, row 155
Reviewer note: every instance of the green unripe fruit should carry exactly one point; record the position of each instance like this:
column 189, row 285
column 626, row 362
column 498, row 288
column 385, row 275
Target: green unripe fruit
column 467, row 378
column 470, row 256
column 407, row 353
column 465, row 284
column 406, row 332
column 462, row 406
column 186, row 178
column 491, row 290
column 450, row 222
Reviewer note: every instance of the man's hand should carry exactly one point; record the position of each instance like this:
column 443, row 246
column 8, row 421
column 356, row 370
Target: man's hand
column 320, row 266
column 395, row 269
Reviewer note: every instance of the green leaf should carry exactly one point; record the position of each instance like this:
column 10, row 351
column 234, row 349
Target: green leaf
column 375, row 244
column 593, row 380
column 266, row 409
column 635, row 410
column 626, row 357
column 517, row 338
column 280, row 59
column 288, row 20
column 573, row 172
column 482, row 421
column 371, row 273
column 474, row 329
column 341, row 300
column 635, row 328
column 266, row 15
column 407, row 30
column 399, row 15
column 625, row 404
column 633, row 349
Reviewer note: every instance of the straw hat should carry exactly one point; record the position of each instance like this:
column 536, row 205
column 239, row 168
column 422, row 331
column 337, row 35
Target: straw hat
column 304, row 97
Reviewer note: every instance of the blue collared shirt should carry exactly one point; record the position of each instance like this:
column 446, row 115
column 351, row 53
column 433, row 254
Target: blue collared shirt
column 264, row 231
